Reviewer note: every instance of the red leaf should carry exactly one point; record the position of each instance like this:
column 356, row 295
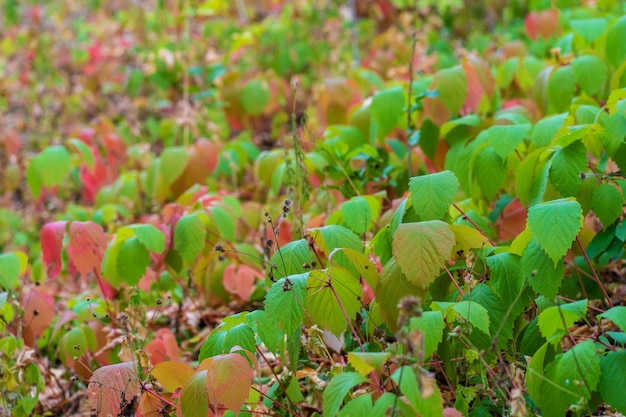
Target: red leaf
column 512, row 221
column 87, row 245
column 112, row 388
column 38, row 314
column 474, row 88
column 229, row 380
column 51, row 236
column 162, row 347
column 240, row 280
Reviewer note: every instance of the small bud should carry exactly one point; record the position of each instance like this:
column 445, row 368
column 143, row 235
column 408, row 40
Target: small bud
column 219, row 248
column 159, row 301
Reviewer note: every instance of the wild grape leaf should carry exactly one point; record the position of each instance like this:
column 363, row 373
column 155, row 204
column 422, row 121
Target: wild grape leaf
column 240, row 335
column 194, row 399
column 366, row 362
column 506, row 138
column 132, row 261
column 360, row 263
column 173, row 162
column 240, row 280
column 506, row 277
column 561, row 88
column 488, row 171
column 255, row 96
column 578, row 372
column 9, row 271
column 86, row 247
column 189, row 237
column 387, row 108
column 562, row 317
column 615, row 46
column 424, row 402
column 431, row 324
column 172, row 374
column 545, row 130
column 290, row 260
column 607, row 203
column 392, row 288
column 229, row 380
column 591, row 73
column 471, row 311
column 325, row 306
column 112, row 388
column 589, row 29
column 334, row 236
column 421, row 249
column 432, row 194
column 285, row 302
column 617, row 315
column 267, row 329
column 500, row 325
column 51, row 237
column 359, row 406
column 149, row 236
column 542, row 274
column 85, row 153
column 555, row 225
column 567, row 164
column 54, row 165
column 357, row 214
column 336, row 390
column 613, row 367
column 451, row 83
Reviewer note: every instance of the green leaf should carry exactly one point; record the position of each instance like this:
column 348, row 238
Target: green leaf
column 330, row 237
column 578, row 372
column 225, row 221
column 591, row 73
column 471, row 311
column 337, row 389
column 85, row 152
column 331, row 293
column 613, row 367
column 451, row 83
column 540, row 389
column 53, row 165
column 387, row 108
column 431, row 324
column 240, row 335
column 366, row 362
column 589, row 29
column 359, row 406
column 214, row 345
column 189, row 237
column 615, row 45
column 567, row 164
column 432, row 194
column 34, row 180
column 541, row 273
column 255, row 96
column 607, row 203
column 290, row 259
column 500, row 324
column 561, row 88
column 132, row 261
column 506, row 138
column 149, row 236
column 9, row 271
column 617, row 315
column 421, row 249
column 286, row 300
column 357, row 214
column 410, row 383
column 488, row 171
column 393, row 287
column 194, row 399
column 173, row 163
column 507, row 280
column 429, row 138
column 545, row 130
column 555, row 225
column 361, row 265
column 267, row 329
column 556, row 318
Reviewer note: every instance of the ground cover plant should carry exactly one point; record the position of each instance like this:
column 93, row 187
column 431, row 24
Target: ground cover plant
column 386, row 208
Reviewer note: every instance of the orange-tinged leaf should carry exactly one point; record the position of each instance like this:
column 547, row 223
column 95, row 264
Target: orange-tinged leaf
column 240, row 279
column 87, row 246
column 229, row 381
column 172, row 375
column 112, row 388
column 162, row 347
column 194, row 400
column 38, row 314
column 421, row 249
column 51, row 236
column 475, row 88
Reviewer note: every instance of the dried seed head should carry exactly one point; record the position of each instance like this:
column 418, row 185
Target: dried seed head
column 287, row 206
